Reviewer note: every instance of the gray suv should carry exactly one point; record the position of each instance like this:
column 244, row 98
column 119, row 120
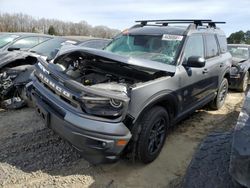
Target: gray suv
column 123, row 99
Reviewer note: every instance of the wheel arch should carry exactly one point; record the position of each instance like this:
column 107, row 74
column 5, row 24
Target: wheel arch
column 168, row 101
column 227, row 75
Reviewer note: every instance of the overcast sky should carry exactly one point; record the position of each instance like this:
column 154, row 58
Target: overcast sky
column 120, row 14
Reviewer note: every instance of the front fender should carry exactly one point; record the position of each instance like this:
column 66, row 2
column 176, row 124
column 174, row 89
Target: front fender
column 159, row 98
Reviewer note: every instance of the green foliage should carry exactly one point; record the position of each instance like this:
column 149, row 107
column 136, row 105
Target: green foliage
column 51, row 30
column 239, row 37
column 34, row 30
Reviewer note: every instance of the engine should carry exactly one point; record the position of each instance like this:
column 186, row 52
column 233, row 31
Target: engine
column 91, row 73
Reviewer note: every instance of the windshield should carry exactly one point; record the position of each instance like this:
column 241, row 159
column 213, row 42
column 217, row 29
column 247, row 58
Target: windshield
column 239, row 52
column 161, row 48
column 51, row 47
column 5, row 39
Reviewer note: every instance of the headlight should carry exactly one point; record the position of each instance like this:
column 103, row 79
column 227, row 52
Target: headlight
column 102, row 106
column 234, row 71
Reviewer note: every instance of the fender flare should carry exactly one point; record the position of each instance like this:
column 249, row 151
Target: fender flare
column 164, row 96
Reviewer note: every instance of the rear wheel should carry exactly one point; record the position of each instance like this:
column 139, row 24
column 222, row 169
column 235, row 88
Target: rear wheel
column 153, row 133
column 220, row 98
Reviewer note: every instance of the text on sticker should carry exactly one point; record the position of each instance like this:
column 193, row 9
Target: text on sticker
column 172, row 37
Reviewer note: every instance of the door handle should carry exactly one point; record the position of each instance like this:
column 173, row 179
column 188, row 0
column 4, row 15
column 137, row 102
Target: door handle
column 205, row 71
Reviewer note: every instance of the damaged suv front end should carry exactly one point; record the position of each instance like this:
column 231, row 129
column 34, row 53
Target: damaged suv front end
column 84, row 96
column 89, row 118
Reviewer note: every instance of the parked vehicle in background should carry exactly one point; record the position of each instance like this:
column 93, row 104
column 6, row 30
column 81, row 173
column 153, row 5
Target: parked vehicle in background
column 123, row 99
column 16, row 67
column 21, row 41
column 239, row 74
column 95, row 43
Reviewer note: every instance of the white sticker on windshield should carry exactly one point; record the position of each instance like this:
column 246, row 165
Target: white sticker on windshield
column 172, row 37
column 242, row 48
column 68, row 42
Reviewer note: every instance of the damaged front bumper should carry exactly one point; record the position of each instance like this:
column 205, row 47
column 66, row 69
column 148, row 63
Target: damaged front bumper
column 98, row 141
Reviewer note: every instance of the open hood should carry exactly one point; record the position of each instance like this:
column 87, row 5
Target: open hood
column 130, row 61
column 236, row 60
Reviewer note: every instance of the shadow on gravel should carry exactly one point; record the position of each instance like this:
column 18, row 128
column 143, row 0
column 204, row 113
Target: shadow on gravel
column 38, row 150
column 43, row 150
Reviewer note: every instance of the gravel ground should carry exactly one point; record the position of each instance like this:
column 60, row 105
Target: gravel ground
column 33, row 156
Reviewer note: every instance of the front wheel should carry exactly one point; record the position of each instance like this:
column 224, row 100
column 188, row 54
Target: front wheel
column 153, row 133
column 244, row 83
column 220, row 98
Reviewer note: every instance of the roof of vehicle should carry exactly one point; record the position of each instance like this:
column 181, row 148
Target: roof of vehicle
column 156, row 30
column 95, row 39
column 22, row 34
column 67, row 39
column 240, row 45
column 183, row 27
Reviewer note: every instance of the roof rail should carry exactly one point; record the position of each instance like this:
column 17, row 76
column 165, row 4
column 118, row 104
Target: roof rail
column 197, row 22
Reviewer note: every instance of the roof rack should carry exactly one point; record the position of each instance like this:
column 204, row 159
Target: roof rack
column 197, row 22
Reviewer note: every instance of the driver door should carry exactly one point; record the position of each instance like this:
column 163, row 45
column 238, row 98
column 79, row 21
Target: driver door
column 194, row 81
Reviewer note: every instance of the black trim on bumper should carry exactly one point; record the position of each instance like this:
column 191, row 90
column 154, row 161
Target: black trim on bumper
column 234, row 83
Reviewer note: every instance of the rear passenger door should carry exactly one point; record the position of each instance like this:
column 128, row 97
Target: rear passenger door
column 213, row 62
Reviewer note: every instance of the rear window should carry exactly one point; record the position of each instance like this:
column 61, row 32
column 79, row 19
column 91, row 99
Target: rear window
column 223, row 43
column 211, row 46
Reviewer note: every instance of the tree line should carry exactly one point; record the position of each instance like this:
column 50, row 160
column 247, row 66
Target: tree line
column 19, row 22
column 239, row 37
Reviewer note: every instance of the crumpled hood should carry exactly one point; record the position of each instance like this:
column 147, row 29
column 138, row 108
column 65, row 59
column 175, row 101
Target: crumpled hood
column 236, row 61
column 7, row 57
column 139, row 62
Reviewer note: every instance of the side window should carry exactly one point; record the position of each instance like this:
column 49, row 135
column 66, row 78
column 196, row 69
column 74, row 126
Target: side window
column 211, row 46
column 223, row 43
column 194, row 47
column 28, row 42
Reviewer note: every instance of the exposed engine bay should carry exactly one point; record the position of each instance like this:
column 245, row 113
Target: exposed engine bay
column 91, row 70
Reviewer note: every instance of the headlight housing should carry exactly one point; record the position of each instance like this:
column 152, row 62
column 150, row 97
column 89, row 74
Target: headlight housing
column 102, row 106
column 234, row 72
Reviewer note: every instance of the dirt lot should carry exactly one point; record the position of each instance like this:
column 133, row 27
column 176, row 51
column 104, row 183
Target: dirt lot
column 33, row 156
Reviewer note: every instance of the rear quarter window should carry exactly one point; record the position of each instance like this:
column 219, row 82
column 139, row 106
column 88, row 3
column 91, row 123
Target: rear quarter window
column 212, row 49
column 223, row 43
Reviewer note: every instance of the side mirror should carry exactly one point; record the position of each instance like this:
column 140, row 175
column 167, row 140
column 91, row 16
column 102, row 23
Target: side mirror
column 196, row 61
column 13, row 48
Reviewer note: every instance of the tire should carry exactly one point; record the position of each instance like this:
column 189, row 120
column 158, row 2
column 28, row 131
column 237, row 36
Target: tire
column 220, row 98
column 244, row 83
column 154, row 125
column 209, row 167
